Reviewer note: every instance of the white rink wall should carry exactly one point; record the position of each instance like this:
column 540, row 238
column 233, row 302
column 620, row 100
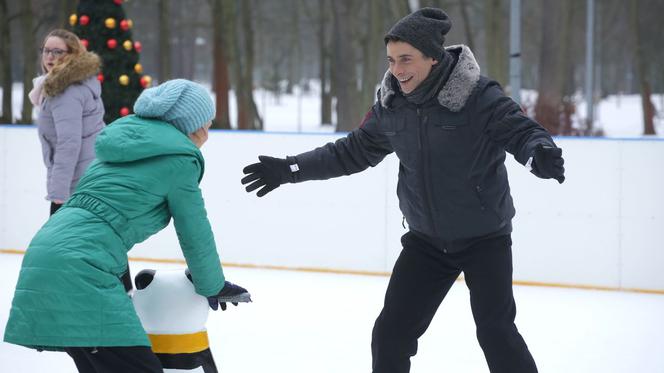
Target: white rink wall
column 604, row 227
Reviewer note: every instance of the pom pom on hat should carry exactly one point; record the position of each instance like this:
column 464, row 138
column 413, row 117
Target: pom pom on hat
column 184, row 104
column 424, row 29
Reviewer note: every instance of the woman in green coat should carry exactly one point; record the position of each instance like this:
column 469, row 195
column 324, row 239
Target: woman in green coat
column 69, row 296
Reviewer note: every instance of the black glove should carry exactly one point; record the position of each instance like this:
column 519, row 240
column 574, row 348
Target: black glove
column 548, row 163
column 229, row 293
column 269, row 173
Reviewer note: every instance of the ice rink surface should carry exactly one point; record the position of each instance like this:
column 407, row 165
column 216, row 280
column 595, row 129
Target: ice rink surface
column 314, row 322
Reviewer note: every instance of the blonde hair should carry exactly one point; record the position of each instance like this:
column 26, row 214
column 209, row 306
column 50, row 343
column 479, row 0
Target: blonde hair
column 74, row 48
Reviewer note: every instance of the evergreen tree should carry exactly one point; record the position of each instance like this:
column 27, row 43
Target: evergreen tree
column 103, row 29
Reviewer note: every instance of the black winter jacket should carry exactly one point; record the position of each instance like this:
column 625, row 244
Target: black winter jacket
column 452, row 178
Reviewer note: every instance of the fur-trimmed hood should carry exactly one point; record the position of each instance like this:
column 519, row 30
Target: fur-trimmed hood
column 457, row 89
column 75, row 71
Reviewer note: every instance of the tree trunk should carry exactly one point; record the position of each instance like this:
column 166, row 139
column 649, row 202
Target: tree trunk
column 324, row 50
column 294, row 59
column 371, row 52
column 5, row 64
column 183, row 42
column 29, row 58
column 237, row 65
column 255, row 120
column 642, row 71
column 496, row 41
column 467, row 27
column 247, row 114
column 399, row 8
column 68, row 8
column 549, row 100
column 165, row 40
column 345, row 75
column 220, row 79
column 566, row 66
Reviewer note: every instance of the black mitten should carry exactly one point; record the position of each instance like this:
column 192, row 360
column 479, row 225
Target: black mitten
column 268, row 173
column 548, row 163
column 229, row 293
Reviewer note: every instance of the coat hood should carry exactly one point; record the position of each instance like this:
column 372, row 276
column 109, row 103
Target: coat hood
column 457, row 89
column 78, row 70
column 133, row 138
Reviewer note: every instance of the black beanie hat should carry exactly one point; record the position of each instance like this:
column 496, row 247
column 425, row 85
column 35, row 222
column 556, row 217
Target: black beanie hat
column 424, row 29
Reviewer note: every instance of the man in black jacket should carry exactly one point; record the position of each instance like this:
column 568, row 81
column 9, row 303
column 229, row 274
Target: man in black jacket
column 450, row 128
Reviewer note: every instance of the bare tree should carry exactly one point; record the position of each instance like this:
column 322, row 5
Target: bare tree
column 551, row 67
column 247, row 111
column 496, row 40
column 642, row 70
column 221, row 82
column 5, row 63
column 399, row 8
column 371, row 52
column 29, row 57
column 68, row 7
column 164, row 10
column 467, row 26
column 345, row 74
column 324, row 67
column 294, row 58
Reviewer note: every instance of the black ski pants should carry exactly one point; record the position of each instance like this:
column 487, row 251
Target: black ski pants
column 421, row 278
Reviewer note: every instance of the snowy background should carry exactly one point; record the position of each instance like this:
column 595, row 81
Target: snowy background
column 619, row 116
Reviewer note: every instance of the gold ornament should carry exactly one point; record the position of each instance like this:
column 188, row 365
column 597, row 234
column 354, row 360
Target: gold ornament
column 131, row 23
column 124, row 79
column 73, row 19
column 127, row 45
column 110, row 22
column 138, row 68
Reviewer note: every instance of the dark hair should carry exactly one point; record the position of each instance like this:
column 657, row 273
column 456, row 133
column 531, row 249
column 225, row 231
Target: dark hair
column 392, row 38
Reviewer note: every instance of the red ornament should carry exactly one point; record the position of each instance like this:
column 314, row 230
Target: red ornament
column 138, row 46
column 111, row 43
column 84, row 20
column 145, row 81
column 124, row 25
column 124, row 111
column 85, row 43
column 100, row 77
column 118, row 2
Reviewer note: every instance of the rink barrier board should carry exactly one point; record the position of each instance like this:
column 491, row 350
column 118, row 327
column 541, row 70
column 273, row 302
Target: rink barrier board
column 601, row 228
column 371, row 273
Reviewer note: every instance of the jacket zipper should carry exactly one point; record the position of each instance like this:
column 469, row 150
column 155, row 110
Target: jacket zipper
column 425, row 167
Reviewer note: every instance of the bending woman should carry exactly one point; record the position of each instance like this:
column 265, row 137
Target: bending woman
column 69, row 296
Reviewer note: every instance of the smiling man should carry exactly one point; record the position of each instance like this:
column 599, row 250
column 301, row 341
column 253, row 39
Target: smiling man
column 450, row 127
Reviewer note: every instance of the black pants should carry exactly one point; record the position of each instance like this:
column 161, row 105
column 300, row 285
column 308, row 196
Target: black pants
column 133, row 359
column 421, row 278
column 55, row 207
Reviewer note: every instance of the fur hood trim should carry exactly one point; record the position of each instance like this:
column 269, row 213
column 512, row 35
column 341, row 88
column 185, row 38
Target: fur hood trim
column 457, row 89
column 75, row 71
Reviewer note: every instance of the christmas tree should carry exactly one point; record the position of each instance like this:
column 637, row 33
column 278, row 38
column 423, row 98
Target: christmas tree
column 103, row 28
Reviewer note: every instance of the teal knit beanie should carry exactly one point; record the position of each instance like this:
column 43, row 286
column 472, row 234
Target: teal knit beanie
column 180, row 102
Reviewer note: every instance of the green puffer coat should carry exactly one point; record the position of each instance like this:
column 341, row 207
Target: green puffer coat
column 68, row 292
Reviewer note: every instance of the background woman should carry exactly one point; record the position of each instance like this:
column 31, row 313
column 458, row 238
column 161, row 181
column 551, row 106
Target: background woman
column 71, row 112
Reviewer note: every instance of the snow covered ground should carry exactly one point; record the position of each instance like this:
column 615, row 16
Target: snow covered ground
column 314, row 322
column 617, row 115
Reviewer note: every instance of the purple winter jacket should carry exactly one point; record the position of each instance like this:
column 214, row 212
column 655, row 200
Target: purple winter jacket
column 68, row 125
